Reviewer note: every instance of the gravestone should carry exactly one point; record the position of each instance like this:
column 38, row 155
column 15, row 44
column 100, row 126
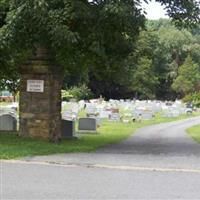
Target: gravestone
column 114, row 110
column 167, row 114
column 40, row 97
column 6, row 110
column 171, row 113
column 114, row 117
column 147, row 115
column 87, row 125
column 137, row 113
column 69, row 115
column 68, row 129
column 8, row 123
column 104, row 114
column 188, row 111
column 90, row 109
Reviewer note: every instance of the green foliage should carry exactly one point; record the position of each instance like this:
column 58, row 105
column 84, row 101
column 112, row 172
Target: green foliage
column 83, row 35
column 144, row 79
column 193, row 98
column 77, row 92
column 155, row 25
column 80, row 92
column 188, row 79
column 173, row 43
column 183, row 12
column 163, row 48
column 72, row 28
column 66, row 96
column 168, row 48
column 92, row 40
column 194, row 49
column 4, row 6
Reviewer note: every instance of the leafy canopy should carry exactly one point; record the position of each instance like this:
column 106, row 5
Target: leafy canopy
column 91, row 38
column 77, row 28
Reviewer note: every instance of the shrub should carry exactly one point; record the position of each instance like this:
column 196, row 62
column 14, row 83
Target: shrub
column 194, row 98
column 81, row 92
column 66, row 96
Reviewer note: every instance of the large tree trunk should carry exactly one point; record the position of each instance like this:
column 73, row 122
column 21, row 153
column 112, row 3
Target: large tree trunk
column 40, row 109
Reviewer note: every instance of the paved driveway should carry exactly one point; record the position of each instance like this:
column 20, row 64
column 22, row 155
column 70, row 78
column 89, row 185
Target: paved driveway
column 166, row 139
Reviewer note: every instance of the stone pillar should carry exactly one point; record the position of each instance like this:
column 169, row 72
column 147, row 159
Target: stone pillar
column 40, row 111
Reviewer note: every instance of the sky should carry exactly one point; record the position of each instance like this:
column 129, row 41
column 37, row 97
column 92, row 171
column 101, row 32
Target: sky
column 154, row 10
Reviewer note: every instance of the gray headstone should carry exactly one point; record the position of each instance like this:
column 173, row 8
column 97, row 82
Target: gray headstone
column 147, row 115
column 68, row 129
column 115, row 117
column 8, row 123
column 104, row 114
column 137, row 113
column 69, row 115
column 87, row 124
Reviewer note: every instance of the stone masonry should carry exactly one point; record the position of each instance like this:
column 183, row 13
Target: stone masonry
column 40, row 112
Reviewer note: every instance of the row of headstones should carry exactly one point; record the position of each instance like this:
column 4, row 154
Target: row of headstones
column 8, row 122
column 144, row 111
column 176, row 111
column 112, row 114
column 8, row 119
column 85, row 125
column 89, row 124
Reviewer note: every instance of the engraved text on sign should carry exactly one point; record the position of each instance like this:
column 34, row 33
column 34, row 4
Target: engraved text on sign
column 35, row 85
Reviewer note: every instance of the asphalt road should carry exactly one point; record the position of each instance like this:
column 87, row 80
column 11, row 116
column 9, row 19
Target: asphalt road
column 158, row 162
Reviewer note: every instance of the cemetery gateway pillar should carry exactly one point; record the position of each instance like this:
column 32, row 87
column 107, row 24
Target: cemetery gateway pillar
column 40, row 98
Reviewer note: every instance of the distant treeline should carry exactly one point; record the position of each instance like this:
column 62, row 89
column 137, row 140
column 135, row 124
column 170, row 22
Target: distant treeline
column 164, row 64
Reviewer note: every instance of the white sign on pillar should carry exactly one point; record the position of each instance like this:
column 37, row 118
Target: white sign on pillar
column 35, row 85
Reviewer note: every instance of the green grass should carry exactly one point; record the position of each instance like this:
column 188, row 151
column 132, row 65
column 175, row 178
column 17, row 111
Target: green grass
column 12, row 146
column 194, row 132
column 4, row 104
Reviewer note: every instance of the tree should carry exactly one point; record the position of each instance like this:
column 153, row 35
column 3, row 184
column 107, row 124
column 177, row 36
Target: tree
column 188, row 80
column 77, row 29
column 172, row 43
column 143, row 62
column 11, row 83
column 167, row 47
column 183, row 12
column 144, row 79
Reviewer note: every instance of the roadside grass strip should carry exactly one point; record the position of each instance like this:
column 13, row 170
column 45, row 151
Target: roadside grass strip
column 194, row 132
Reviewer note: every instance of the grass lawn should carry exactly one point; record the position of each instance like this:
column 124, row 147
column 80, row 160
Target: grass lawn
column 12, row 146
column 194, row 132
column 4, row 104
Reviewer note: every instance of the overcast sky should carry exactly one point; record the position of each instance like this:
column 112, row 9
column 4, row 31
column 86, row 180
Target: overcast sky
column 154, row 10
